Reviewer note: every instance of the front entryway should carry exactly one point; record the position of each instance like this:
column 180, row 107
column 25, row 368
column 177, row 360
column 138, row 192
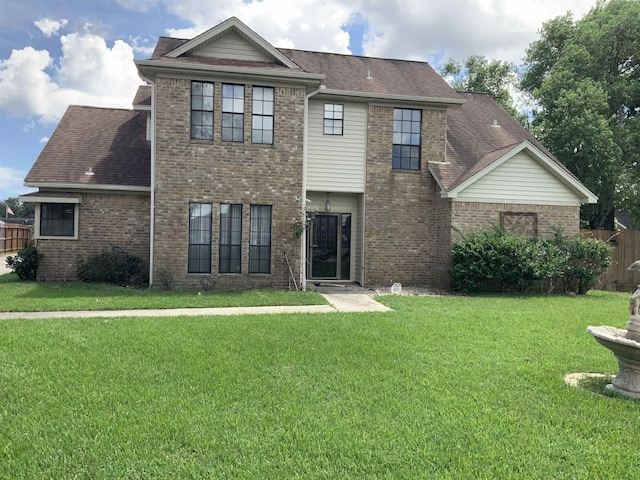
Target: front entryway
column 329, row 240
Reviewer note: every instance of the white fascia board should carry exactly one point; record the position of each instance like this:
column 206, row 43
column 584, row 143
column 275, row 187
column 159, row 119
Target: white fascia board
column 91, row 186
column 142, row 108
column 233, row 24
column 45, row 199
column 586, row 195
column 392, row 98
column 435, row 177
column 155, row 66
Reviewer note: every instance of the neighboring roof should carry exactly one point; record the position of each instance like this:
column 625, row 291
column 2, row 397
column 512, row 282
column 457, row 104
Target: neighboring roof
column 109, row 143
column 142, row 98
column 474, row 143
column 387, row 76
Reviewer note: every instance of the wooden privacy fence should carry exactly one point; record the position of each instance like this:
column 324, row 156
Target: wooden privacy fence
column 14, row 237
column 626, row 250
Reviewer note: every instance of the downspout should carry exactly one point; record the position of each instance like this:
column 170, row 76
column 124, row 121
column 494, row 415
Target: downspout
column 153, row 175
column 303, row 198
column 152, row 220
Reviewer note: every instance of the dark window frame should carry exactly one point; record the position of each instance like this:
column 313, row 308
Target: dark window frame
column 57, row 220
column 233, row 113
column 200, row 229
column 331, row 122
column 260, row 239
column 407, row 139
column 201, row 112
column 230, row 241
column 260, row 115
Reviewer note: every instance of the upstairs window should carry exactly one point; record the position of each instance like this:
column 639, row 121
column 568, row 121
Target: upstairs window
column 202, row 110
column 333, row 119
column 407, row 125
column 232, row 113
column 262, row 118
column 57, row 219
column 230, row 258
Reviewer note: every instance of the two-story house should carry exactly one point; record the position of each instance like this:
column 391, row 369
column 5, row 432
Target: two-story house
column 201, row 177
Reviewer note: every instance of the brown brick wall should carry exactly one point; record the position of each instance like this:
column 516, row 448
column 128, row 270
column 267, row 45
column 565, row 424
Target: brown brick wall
column 442, row 225
column 224, row 172
column 399, row 224
column 472, row 215
column 103, row 220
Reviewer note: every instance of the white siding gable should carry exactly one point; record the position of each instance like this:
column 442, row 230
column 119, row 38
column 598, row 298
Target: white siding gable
column 336, row 163
column 231, row 46
column 521, row 179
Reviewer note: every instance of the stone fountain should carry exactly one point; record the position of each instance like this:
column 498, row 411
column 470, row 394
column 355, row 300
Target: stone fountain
column 625, row 345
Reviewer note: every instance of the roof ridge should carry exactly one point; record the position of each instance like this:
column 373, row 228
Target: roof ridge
column 353, row 55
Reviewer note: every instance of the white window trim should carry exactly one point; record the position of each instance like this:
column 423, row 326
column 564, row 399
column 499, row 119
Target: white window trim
column 76, row 209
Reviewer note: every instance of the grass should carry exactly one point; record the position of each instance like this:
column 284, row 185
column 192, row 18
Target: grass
column 442, row 387
column 58, row 296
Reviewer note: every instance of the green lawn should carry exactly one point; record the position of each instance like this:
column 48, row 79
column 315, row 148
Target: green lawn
column 442, row 387
column 58, row 296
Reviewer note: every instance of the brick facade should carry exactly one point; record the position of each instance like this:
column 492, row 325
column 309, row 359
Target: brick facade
column 472, row 215
column 224, row 172
column 400, row 230
column 103, row 220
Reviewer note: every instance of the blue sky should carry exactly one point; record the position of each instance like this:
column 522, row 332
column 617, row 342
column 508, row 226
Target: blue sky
column 59, row 52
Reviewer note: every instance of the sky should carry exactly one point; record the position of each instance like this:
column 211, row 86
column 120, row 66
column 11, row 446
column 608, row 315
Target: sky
column 54, row 53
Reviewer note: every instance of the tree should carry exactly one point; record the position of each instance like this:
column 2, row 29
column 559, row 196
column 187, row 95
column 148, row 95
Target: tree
column 585, row 78
column 494, row 77
column 20, row 209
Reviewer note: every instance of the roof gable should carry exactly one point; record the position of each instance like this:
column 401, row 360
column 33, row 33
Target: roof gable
column 542, row 168
column 481, row 135
column 233, row 40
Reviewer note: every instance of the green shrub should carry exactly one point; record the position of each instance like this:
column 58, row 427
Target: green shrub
column 491, row 258
column 25, row 263
column 586, row 260
column 114, row 266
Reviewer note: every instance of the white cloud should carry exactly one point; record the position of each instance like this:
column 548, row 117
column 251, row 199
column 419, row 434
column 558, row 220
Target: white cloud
column 50, row 27
column 11, row 182
column 43, row 140
column 32, row 85
column 500, row 29
column 142, row 46
column 304, row 24
column 408, row 29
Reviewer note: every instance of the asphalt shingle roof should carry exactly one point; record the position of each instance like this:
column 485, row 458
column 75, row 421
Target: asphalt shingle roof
column 109, row 141
column 473, row 143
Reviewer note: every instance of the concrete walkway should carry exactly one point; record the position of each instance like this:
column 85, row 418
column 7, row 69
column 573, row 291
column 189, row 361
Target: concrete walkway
column 338, row 303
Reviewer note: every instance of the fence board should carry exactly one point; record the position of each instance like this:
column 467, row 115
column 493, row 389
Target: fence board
column 14, row 237
column 625, row 251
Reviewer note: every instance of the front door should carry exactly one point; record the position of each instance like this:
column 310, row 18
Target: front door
column 330, row 247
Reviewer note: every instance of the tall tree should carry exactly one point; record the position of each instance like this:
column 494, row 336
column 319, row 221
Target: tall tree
column 19, row 209
column 477, row 74
column 585, row 78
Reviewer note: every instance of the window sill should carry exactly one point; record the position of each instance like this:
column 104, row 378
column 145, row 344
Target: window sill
column 56, row 237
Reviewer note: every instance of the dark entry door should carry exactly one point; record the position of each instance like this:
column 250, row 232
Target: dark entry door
column 330, row 242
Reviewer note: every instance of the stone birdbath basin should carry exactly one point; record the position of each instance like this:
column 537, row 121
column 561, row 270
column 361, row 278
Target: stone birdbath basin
column 625, row 345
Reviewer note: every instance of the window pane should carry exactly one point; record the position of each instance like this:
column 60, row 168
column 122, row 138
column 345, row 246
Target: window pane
column 268, row 94
column 227, row 134
column 267, row 137
column 260, row 239
column 257, row 93
column 199, row 250
column 238, row 121
column 268, row 108
column 227, row 90
column 227, row 105
column 256, row 136
column 237, row 135
column 57, row 219
column 238, row 106
column 257, row 108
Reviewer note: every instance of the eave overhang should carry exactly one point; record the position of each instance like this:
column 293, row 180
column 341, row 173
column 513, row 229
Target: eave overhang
column 148, row 69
